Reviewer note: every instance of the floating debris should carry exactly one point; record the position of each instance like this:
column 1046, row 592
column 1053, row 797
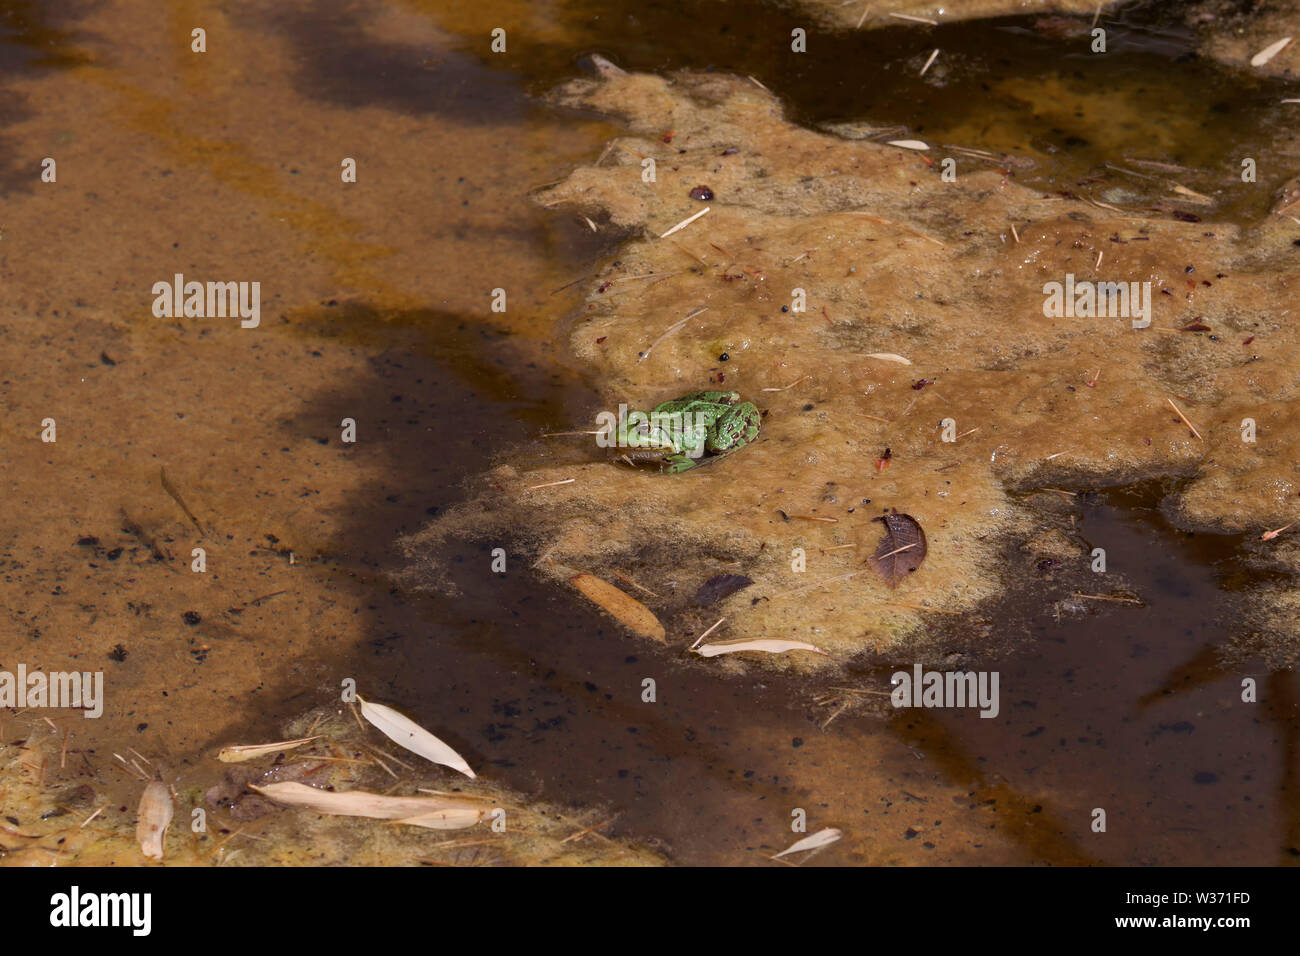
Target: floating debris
column 241, row 752
column 438, row 813
column 909, row 17
column 685, row 222
column 767, row 645
column 152, row 819
column 1270, row 51
column 409, row 735
column 551, row 484
column 819, row 839
column 670, row 330
column 1184, row 418
column 720, row 586
column 902, row 550
column 621, row 605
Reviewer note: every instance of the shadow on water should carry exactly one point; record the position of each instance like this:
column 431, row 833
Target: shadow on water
column 1135, row 708
column 338, row 63
column 1028, row 86
column 28, row 43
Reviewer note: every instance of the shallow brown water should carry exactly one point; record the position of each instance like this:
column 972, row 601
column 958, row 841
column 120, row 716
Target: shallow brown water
column 1124, row 708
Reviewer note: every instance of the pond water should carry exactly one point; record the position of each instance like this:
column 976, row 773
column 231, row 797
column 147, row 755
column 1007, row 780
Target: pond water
column 376, row 310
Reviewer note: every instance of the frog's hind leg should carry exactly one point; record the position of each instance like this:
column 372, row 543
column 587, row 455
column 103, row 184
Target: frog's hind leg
column 676, row 464
column 735, row 428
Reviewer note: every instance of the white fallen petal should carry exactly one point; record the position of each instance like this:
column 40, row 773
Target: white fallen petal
column 152, row 819
column 405, row 732
column 820, row 838
column 1270, row 51
column 889, row 357
column 770, row 645
column 241, row 752
column 376, row 806
column 909, row 144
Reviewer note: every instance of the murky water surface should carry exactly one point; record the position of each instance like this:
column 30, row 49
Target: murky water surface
column 1113, row 705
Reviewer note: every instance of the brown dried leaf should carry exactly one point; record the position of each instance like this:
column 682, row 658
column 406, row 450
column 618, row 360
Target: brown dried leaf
column 902, row 550
column 627, row 609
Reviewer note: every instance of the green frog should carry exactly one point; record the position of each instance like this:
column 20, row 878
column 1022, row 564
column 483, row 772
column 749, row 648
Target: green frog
column 682, row 431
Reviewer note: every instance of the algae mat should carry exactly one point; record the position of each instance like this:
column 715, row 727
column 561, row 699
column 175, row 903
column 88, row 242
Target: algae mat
column 813, row 267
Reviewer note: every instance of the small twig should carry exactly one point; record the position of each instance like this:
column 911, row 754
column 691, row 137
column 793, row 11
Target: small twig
column 706, row 633
column 176, row 497
column 634, row 584
column 906, row 547
column 591, row 829
column 690, row 219
column 1184, row 418
column 551, row 484
column 904, row 16
column 92, row 816
column 387, row 769
column 699, row 259
column 266, row 597
column 929, row 61
column 784, row 387
column 669, row 331
column 352, row 704
column 568, row 284
column 843, row 707
column 1107, row 597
